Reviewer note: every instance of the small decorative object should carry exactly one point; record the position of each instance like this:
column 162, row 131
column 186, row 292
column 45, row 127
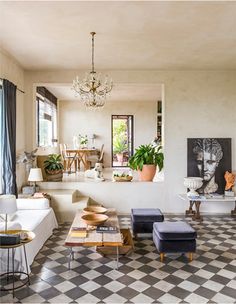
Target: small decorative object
column 145, row 159
column 24, row 235
column 96, row 172
column 75, row 142
column 29, row 190
column 122, row 176
column 193, row 183
column 230, row 180
column 94, row 209
column 53, row 167
column 7, row 206
column 35, row 176
column 94, row 219
column 28, row 158
column 93, row 137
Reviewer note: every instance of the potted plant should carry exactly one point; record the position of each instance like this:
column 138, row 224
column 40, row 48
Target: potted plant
column 145, row 160
column 119, row 147
column 53, row 167
column 83, row 141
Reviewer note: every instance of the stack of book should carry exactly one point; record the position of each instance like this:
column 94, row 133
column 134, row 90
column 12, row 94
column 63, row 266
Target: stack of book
column 107, row 229
column 215, row 196
column 80, row 232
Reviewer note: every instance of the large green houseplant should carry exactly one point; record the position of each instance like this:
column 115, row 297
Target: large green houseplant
column 53, row 167
column 145, row 160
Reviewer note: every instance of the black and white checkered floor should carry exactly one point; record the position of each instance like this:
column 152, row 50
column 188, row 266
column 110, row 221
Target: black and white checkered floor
column 141, row 277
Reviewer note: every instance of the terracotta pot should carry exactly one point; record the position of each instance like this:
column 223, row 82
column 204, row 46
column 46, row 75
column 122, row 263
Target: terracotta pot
column 148, row 173
column 120, row 157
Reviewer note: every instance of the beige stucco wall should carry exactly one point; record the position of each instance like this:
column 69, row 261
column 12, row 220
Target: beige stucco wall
column 75, row 119
column 11, row 70
column 197, row 104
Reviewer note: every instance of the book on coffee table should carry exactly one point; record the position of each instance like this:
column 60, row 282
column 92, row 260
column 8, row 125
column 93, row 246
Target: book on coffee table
column 78, row 232
column 107, row 229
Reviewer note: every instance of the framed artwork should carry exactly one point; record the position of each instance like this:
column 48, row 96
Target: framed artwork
column 209, row 158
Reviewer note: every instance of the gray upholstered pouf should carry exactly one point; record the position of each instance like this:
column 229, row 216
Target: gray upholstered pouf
column 174, row 237
column 142, row 219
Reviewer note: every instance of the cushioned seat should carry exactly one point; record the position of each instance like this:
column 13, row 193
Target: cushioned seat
column 174, row 237
column 142, row 219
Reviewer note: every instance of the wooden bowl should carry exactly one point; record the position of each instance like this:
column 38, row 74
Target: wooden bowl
column 94, row 219
column 94, row 209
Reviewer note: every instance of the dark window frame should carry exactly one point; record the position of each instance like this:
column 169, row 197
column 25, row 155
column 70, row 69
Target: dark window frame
column 130, row 134
column 41, row 98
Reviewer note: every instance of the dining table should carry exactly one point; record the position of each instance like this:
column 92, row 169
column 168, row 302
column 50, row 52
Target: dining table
column 81, row 154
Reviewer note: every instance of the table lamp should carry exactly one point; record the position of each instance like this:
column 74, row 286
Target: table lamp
column 93, row 137
column 7, row 206
column 35, row 175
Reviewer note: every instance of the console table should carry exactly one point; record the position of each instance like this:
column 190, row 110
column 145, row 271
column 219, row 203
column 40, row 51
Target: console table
column 201, row 199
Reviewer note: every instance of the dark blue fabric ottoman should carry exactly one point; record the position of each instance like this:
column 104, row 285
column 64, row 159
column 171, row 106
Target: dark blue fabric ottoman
column 142, row 219
column 173, row 237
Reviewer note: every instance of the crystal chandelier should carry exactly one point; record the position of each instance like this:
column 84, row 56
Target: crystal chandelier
column 92, row 89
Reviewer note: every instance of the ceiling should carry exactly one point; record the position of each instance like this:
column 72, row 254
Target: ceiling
column 120, row 92
column 130, row 35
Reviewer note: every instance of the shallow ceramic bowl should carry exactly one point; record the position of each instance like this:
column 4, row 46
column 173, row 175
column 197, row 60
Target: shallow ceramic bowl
column 123, row 178
column 94, row 209
column 94, row 219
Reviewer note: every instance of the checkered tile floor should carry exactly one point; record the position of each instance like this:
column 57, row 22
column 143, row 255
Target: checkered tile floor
column 141, row 278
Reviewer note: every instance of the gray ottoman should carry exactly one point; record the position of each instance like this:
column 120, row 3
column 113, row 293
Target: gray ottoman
column 174, row 237
column 142, row 219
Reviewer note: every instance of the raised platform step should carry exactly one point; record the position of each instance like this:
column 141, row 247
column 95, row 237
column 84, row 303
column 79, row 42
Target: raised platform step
column 65, row 203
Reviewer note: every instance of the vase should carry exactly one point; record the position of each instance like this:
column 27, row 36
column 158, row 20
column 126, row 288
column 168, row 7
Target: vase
column 193, row 183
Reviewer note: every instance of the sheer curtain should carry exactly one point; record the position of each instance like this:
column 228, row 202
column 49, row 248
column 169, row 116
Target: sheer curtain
column 8, row 138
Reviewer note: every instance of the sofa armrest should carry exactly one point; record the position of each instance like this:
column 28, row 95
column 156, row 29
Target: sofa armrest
column 32, row 203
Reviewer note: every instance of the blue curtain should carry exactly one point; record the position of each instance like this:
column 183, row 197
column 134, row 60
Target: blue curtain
column 8, row 137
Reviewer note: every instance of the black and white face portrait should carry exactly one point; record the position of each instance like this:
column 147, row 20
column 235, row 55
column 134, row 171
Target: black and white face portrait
column 209, row 158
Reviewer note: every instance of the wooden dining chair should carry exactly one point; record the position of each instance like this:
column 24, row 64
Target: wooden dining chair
column 96, row 158
column 68, row 160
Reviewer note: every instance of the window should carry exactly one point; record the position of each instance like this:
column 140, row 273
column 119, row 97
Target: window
column 46, row 104
column 122, row 139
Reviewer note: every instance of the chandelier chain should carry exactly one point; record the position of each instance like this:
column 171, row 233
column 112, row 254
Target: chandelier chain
column 92, row 89
column 93, row 33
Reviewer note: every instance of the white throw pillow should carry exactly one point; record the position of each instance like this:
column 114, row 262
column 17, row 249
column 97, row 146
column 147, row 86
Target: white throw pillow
column 10, row 217
column 32, row 203
column 10, row 226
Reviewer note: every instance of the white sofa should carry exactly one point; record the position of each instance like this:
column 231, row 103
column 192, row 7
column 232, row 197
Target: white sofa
column 34, row 215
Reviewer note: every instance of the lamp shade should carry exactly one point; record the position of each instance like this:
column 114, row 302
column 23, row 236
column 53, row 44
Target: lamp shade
column 35, row 175
column 7, row 204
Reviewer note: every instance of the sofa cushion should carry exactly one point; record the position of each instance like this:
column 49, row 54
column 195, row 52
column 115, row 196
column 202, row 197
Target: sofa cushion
column 32, row 203
column 146, row 215
column 174, row 231
column 10, row 226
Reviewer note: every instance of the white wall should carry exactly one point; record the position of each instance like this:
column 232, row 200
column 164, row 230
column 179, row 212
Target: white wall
column 75, row 119
column 197, row 104
column 11, row 70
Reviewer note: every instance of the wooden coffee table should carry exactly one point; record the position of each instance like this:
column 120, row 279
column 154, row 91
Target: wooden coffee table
column 95, row 238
